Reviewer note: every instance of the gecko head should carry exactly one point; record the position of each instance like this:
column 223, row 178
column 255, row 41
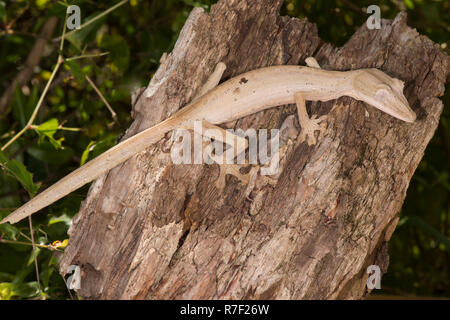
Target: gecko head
column 383, row 92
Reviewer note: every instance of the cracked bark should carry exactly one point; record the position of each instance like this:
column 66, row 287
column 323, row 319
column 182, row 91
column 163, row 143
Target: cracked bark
column 150, row 229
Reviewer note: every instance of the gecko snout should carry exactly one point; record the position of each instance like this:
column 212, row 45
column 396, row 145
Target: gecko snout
column 384, row 93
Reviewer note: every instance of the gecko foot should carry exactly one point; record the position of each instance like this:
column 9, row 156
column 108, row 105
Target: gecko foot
column 232, row 169
column 309, row 127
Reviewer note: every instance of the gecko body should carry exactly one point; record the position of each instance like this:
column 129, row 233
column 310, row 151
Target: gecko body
column 238, row 97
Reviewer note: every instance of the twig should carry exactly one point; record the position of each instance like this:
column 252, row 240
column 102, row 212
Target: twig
column 41, row 98
column 101, row 15
column 114, row 115
column 6, row 135
column 60, row 127
column 10, row 24
column 71, row 129
column 87, row 56
column 23, row 243
column 36, row 109
column 43, row 246
column 34, row 254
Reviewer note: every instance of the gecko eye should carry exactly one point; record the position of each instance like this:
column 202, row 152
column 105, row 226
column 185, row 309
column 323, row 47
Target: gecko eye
column 383, row 92
column 383, row 89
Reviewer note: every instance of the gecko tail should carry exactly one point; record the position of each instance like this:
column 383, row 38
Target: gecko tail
column 92, row 170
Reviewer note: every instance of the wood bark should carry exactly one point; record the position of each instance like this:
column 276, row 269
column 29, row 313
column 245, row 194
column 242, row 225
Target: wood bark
column 150, row 229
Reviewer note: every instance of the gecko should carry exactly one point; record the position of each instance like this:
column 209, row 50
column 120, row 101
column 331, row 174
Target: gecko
column 236, row 98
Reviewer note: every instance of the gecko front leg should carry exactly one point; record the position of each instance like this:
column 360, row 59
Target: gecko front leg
column 226, row 168
column 309, row 126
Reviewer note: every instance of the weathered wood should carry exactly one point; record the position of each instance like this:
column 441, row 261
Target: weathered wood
column 150, row 229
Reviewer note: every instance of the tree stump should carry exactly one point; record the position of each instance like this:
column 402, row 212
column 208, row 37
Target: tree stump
column 150, row 229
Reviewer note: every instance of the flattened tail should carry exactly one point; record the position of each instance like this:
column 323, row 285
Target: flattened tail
column 93, row 169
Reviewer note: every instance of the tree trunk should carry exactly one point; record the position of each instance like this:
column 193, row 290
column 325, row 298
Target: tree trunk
column 150, row 229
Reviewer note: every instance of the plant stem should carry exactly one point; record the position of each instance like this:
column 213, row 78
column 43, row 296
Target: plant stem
column 41, row 98
column 23, row 243
column 101, row 15
column 87, row 56
column 43, row 246
column 38, row 106
column 34, row 254
column 113, row 114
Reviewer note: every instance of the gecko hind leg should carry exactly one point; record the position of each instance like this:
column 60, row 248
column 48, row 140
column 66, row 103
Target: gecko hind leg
column 240, row 143
column 225, row 169
column 221, row 135
column 309, row 125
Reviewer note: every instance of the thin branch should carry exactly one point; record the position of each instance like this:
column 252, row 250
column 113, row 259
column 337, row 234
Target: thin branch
column 114, row 115
column 38, row 106
column 101, row 15
column 23, row 243
column 72, row 129
column 87, row 56
column 10, row 24
column 60, row 127
column 41, row 99
column 34, row 254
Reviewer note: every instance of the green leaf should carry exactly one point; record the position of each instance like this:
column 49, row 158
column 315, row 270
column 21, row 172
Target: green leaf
column 41, row 3
column 80, row 37
column 409, row 4
column 19, row 107
column 37, row 250
column 47, row 273
column 23, row 106
column 10, row 231
column 48, row 129
column 85, row 155
column 63, row 218
column 17, row 170
column 8, row 290
column 119, row 52
column 2, row 11
column 94, row 149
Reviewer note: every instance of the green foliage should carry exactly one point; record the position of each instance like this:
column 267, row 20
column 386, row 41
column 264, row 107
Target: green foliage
column 48, row 130
column 17, row 170
column 120, row 52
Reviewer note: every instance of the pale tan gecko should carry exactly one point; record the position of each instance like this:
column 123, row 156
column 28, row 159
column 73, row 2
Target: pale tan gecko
column 238, row 97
